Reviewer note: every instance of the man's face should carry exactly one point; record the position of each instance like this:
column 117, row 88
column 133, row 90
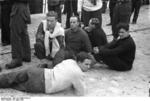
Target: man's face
column 51, row 22
column 123, row 33
column 74, row 22
column 85, row 65
column 91, row 25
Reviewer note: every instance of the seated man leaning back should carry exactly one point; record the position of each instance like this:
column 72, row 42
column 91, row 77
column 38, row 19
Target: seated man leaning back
column 119, row 54
column 68, row 73
column 49, row 37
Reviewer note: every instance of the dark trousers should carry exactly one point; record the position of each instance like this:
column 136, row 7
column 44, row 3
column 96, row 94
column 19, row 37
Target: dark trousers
column 27, row 80
column 72, row 9
column 20, row 44
column 111, row 10
column 56, row 9
column 116, row 63
column 135, row 9
column 5, row 20
column 39, row 49
column 86, row 16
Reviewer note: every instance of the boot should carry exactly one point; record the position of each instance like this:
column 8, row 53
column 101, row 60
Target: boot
column 14, row 63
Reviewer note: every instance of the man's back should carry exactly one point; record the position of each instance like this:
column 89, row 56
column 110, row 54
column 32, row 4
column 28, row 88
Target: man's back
column 64, row 75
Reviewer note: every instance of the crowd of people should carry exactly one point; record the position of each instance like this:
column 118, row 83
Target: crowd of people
column 72, row 50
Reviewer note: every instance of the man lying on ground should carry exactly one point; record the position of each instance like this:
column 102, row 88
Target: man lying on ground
column 68, row 73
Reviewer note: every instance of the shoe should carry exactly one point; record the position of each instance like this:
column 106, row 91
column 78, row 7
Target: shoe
column 13, row 64
column 109, row 24
column 26, row 59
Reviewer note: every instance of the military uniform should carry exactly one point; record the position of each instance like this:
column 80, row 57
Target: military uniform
column 70, row 8
column 20, row 17
column 5, row 20
column 112, row 4
column 122, row 13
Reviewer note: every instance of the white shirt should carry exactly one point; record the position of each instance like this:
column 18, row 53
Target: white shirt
column 88, row 6
column 64, row 75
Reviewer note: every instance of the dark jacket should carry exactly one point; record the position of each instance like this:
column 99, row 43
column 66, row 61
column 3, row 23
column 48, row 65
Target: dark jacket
column 77, row 41
column 122, row 48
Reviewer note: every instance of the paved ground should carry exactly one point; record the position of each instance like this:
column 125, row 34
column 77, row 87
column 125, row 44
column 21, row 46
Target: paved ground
column 100, row 81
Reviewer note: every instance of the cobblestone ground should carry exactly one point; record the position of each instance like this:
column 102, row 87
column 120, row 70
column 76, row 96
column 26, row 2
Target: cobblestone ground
column 100, row 81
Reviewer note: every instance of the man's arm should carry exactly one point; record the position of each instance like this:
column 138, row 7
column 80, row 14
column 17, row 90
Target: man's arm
column 79, row 86
column 114, row 51
column 61, row 41
column 86, row 42
column 40, row 33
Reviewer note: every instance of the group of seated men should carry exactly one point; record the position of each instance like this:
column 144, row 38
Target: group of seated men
column 72, row 51
column 55, row 43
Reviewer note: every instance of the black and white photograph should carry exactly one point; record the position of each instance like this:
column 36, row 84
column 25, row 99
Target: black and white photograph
column 74, row 48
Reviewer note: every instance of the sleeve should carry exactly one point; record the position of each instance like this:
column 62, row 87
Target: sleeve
column 79, row 86
column 40, row 33
column 61, row 41
column 87, row 43
column 80, row 3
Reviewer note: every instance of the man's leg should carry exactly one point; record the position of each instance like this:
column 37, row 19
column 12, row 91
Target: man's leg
column 116, row 64
column 58, row 10
column 26, row 46
column 39, row 50
column 97, row 14
column 11, row 79
column 59, row 57
column 136, row 13
column 85, row 17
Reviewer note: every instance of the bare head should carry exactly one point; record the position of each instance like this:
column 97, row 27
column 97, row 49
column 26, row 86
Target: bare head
column 51, row 18
column 84, row 61
column 123, row 30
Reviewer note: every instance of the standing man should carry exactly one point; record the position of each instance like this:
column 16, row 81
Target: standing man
column 20, row 17
column 56, row 5
column 90, row 9
column 136, row 5
column 70, row 8
column 5, row 21
column 112, row 4
column 122, row 13
column 67, row 74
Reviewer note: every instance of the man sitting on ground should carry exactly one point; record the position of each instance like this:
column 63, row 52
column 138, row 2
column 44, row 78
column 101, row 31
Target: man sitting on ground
column 76, row 40
column 49, row 37
column 119, row 54
column 68, row 73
